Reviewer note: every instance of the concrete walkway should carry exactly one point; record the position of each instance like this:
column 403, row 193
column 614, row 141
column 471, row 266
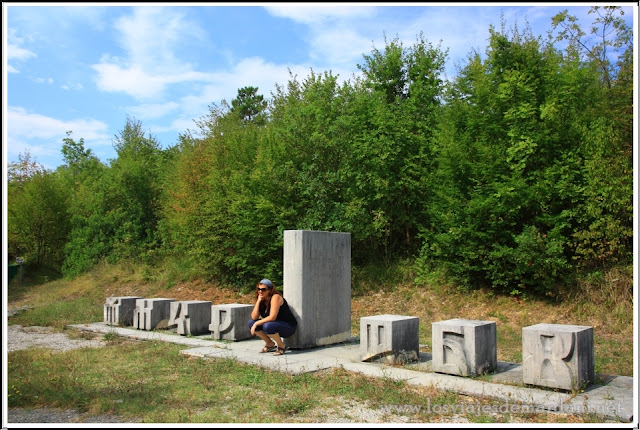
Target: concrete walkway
column 610, row 398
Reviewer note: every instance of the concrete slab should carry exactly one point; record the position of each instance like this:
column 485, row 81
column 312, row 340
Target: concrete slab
column 610, row 398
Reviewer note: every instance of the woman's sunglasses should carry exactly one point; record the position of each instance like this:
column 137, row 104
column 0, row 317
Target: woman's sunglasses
column 262, row 290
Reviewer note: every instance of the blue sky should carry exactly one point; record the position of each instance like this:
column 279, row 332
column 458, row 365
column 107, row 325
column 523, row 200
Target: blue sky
column 87, row 68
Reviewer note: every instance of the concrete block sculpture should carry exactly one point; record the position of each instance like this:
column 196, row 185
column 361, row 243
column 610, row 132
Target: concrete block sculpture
column 464, row 347
column 230, row 321
column 119, row 310
column 392, row 337
column 151, row 314
column 558, row 356
column 317, row 286
column 190, row 317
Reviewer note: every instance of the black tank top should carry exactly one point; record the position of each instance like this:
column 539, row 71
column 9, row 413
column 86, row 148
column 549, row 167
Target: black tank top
column 284, row 314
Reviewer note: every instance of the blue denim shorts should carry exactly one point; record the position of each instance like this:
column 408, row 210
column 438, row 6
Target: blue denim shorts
column 282, row 328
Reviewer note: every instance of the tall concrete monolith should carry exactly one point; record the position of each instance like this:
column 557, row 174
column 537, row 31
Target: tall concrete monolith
column 317, row 286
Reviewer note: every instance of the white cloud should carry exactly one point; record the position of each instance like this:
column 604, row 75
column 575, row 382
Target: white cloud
column 177, row 125
column 140, row 83
column 311, row 14
column 133, row 80
column 44, row 80
column 42, row 135
column 24, row 125
column 150, row 37
column 338, row 45
column 15, row 52
column 69, row 87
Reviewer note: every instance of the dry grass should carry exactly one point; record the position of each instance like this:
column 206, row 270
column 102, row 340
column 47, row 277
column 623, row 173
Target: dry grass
column 603, row 301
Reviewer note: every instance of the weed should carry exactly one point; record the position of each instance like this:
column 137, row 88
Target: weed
column 151, row 382
column 110, row 337
column 482, row 419
column 498, row 315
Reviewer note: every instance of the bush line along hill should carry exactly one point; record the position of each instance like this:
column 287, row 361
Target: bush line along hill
column 514, row 175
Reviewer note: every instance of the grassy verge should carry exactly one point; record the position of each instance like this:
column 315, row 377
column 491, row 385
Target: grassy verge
column 151, row 382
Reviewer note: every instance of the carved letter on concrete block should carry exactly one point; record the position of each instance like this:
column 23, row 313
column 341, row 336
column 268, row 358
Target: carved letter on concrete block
column 151, row 314
column 393, row 337
column 229, row 322
column 557, row 356
column 190, row 317
column 119, row 310
column 464, row 347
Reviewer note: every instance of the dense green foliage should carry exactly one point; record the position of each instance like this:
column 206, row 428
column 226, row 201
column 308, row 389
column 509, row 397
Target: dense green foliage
column 513, row 174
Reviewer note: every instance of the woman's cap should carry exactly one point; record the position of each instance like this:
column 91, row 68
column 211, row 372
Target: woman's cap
column 266, row 282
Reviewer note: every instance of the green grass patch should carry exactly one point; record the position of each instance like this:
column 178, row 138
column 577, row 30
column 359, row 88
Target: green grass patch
column 151, row 382
column 62, row 313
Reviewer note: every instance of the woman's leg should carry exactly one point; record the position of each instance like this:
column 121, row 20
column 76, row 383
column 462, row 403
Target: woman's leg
column 261, row 334
column 276, row 337
column 278, row 330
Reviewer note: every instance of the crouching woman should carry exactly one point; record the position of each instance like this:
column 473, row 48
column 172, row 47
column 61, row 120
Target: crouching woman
column 271, row 318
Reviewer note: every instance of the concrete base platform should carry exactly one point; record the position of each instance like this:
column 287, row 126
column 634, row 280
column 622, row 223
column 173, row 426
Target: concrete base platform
column 609, row 398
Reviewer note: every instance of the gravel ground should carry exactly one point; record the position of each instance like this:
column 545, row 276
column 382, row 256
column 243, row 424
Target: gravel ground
column 51, row 415
column 19, row 337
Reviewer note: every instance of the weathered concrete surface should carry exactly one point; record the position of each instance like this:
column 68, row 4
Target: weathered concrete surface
column 393, row 337
column 119, row 310
column 151, row 314
column 230, row 321
column 558, row 356
column 190, row 317
column 317, row 286
column 464, row 347
column 609, row 398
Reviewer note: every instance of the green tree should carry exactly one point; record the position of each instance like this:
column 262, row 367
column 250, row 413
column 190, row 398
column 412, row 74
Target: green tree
column 187, row 229
column 393, row 153
column 250, row 106
column 37, row 218
column 611, row 32
column 606, row 215
column 136, row 173
column 208, row 205
column 510, row 175
column 23, row 169
column 117, row 208
column 81, row 167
